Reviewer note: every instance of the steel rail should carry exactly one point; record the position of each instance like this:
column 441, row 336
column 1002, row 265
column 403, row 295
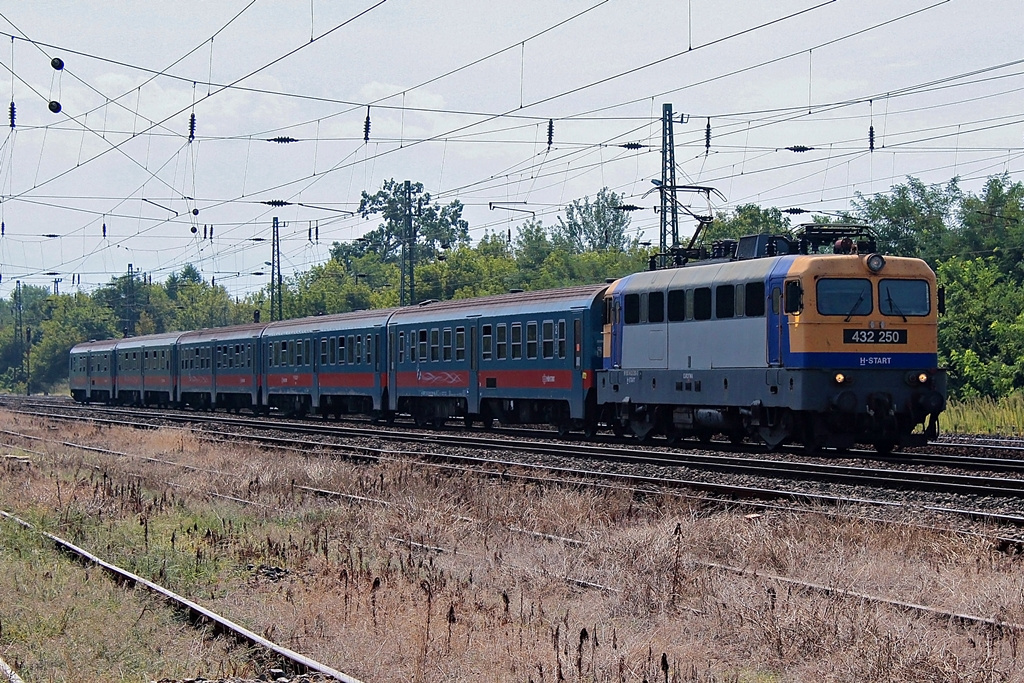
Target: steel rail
column 196, row 612
column 723, row 463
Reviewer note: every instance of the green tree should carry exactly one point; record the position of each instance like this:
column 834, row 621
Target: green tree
column 437, row 227
column 993, row 224
column 70, row 319
column 747, row 219
column 912, row 219
column 976, row 338
column 593, row 226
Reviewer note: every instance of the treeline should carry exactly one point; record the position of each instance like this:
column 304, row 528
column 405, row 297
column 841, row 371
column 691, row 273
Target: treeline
column 975, row 243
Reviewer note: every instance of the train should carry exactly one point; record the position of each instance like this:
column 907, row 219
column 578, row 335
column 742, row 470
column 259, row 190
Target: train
column 817, row 340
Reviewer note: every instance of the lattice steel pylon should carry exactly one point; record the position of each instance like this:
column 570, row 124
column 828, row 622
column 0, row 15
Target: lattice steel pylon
column 669, row 212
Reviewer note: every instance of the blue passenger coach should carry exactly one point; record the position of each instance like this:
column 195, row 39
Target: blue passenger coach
column 331, row 364
column 219, row 368
column 521, row 357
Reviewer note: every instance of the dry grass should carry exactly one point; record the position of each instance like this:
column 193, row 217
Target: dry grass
column 442, row 584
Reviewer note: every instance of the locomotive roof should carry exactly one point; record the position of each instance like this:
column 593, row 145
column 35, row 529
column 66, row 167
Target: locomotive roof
column 698, row 275
column 325, row 323
column 512, row 303
column 230, row 333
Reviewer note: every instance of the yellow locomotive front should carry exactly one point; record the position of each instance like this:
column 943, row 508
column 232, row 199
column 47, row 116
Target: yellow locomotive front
column 859, row 331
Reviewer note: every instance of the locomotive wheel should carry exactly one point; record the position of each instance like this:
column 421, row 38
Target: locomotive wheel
column 884, row 447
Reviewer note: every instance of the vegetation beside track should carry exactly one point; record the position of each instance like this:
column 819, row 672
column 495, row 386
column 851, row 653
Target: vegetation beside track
column 983, row 415
column 445, row 576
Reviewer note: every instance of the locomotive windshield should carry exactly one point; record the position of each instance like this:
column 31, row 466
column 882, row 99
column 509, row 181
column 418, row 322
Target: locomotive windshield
column 844, row 296
column 904, row 297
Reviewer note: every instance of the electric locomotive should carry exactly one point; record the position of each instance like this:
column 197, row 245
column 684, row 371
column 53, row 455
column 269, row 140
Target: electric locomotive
column 778, row 340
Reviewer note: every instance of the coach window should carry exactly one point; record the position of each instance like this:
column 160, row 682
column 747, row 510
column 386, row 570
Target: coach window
column 702, row 303
column 753, row 304
column 631, row 315
column 531, row 340
column 370, row 339
column 676, row 305
column 486, row 339
column 561, row 339
column 517, row 341
column 502, row 341
column 413, row 346
column 401, row 347
column 341, row 349
column 656, row 307
column 351, row 349
column 435, row 337
column 460, row 343
column 423, row 345
column 446, row 344
column 323, row 351
column 359, row 349
column 548, row 339
column 248, row 355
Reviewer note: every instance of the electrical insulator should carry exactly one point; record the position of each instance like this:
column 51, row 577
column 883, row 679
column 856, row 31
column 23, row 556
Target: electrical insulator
column 316, row 232
column 204, row 231
column 104, row 231
column 551, row 132
column 309, row 234
column 211, row 233
column 12, row 114
column 192, row 127
column 3, row 228
column 707, row 138
column 366, row 126
column 871, row 138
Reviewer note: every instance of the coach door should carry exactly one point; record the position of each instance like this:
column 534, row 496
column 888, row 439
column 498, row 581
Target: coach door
column 776, row 311
column 396, row 353
column 473, row 391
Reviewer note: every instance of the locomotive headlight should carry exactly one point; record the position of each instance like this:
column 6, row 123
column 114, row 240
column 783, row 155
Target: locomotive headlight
column 876, row 262
column 840, row 378
column 916, row 379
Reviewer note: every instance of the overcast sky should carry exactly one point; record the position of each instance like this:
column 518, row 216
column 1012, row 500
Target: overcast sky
column 460, row 94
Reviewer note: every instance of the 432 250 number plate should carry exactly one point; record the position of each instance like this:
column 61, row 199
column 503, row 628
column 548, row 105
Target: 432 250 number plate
column 874, row 336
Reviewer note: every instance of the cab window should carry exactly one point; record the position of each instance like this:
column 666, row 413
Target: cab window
column 844, row 296
column 904, row 297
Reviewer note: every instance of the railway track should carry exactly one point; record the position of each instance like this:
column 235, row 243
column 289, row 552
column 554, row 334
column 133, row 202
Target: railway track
column 743, row 463
column 302, row 664
column 621, row 465
column 195, row 612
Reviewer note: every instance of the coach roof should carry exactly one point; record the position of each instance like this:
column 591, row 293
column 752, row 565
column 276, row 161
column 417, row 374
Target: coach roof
column 334, row 322
column 514, row 303
column 216, row 334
